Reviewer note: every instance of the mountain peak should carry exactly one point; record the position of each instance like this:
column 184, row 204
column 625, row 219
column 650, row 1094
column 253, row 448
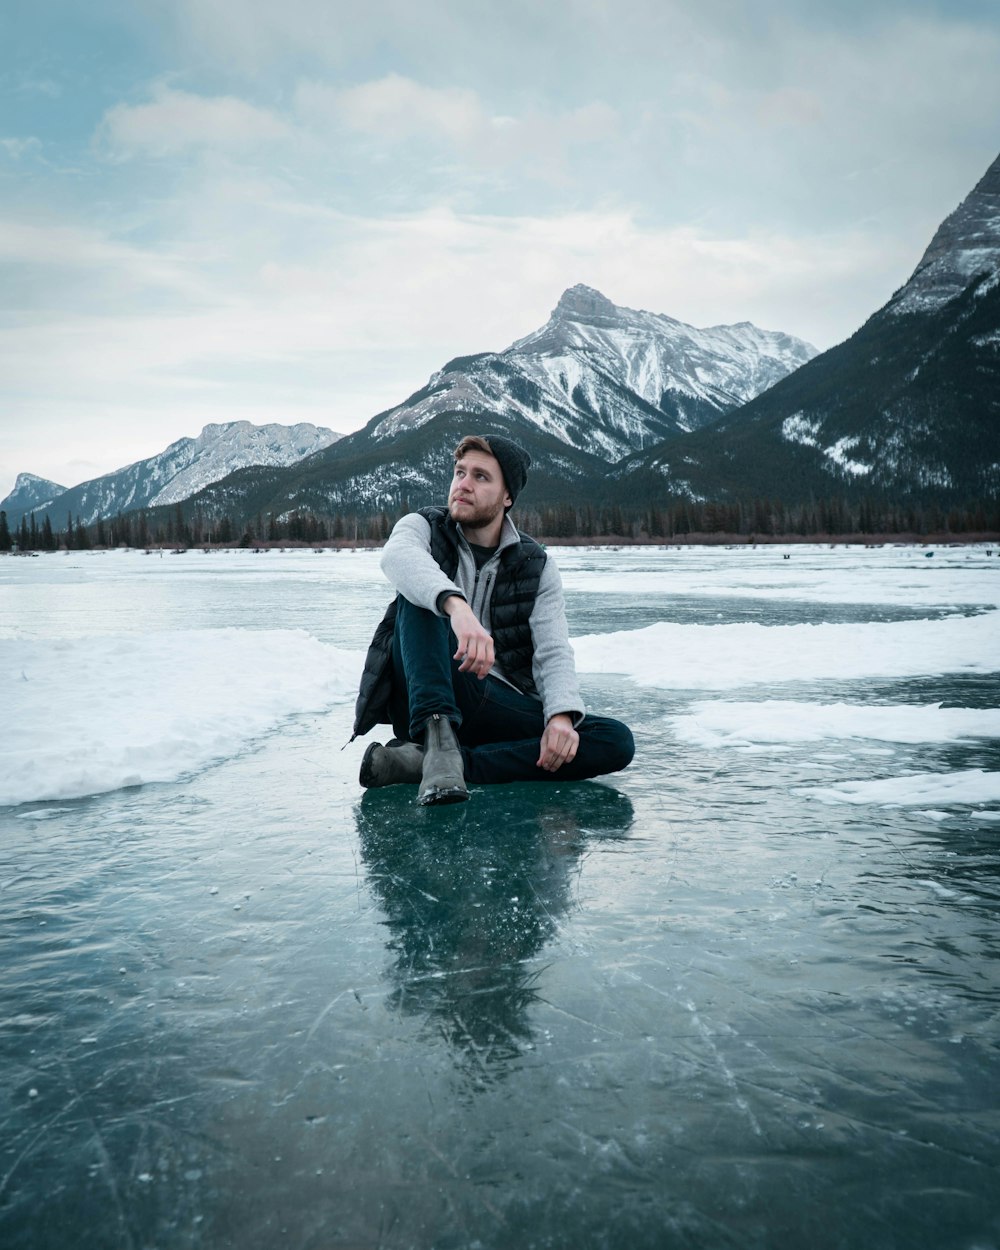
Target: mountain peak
column 583, row 303
column 966, row 243
column 30, row 491
column 25, row 480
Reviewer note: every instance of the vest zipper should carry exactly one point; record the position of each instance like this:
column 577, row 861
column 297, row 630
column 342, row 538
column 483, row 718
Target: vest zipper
column 480, row 602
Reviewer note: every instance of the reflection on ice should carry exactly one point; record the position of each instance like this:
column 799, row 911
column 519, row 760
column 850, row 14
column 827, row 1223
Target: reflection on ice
column 472, row 896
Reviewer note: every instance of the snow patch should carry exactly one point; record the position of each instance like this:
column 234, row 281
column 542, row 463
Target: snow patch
column 837, row 452
column 720, row 657
column 799, row 429
column 737, row 724
column 95, row 714
column 967, row 786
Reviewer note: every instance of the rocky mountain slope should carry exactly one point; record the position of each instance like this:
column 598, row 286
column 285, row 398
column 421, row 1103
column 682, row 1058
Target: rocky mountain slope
column 908, row 407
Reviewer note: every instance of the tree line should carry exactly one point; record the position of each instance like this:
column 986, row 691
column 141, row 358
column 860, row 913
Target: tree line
column 762, row 517
column 142, row 529
column 679, row 519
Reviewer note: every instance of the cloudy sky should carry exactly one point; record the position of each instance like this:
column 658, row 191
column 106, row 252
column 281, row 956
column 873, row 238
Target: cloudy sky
column 296, row 210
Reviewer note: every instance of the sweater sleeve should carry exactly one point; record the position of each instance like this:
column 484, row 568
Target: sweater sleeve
column 410, row 568
column 554, row 665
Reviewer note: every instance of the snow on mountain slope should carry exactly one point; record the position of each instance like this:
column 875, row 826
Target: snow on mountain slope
column 653, row 354
column 219, row 449
column 606, row 379
column 186, row 467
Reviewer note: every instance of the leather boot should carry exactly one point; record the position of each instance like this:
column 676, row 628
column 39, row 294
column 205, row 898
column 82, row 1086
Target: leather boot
column 443, row 779
column 396, row 763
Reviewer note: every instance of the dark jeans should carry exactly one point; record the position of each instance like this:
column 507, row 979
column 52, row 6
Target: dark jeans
column 498, row 728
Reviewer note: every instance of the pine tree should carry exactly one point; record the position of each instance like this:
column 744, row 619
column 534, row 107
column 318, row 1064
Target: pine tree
column 181, row 534
column 5, row 539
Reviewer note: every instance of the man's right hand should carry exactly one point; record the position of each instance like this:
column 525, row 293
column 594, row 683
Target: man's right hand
column 475, row 646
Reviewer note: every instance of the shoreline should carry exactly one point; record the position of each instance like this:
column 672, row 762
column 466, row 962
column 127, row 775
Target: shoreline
column 978, row 539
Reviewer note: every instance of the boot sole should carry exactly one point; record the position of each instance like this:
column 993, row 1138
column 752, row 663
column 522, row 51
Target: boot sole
column 453, row 795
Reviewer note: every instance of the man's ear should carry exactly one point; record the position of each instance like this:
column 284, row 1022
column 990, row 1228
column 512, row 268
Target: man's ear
column 507, row 501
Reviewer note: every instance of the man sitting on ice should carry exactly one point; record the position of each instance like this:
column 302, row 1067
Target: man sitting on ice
column 472, row 664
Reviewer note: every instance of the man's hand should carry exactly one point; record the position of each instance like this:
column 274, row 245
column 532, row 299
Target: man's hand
column 475, row 646
column 559, row 743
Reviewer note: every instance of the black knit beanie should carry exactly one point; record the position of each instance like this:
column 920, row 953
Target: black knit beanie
column 514, row 462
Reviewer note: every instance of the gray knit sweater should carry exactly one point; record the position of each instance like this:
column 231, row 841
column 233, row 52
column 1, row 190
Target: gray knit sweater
column 414, row 573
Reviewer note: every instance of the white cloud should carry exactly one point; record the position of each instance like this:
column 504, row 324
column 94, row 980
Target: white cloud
column 395, row 109
column 15, row 147
column 177, row 120
column 58, row 270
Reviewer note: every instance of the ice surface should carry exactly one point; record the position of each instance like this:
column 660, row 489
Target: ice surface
column 901, row 575
column 735, row 996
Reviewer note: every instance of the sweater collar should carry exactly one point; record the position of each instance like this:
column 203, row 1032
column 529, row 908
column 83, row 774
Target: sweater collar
column 509, row 536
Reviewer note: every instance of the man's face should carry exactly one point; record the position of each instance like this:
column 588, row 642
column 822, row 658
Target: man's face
column 478, row 494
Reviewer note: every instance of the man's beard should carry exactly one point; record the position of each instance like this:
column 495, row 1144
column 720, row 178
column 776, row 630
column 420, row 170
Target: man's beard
column 479, row 516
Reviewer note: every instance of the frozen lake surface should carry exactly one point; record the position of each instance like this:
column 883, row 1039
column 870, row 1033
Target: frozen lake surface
column 744, row 994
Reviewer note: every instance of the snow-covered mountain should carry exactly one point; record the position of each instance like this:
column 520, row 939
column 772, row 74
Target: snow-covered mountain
column 604, row 379
column 594, row 384
column 31, row 493
column 184, row 468
column 907, row 408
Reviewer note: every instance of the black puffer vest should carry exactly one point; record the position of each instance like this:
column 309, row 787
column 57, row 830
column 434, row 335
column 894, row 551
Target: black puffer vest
column 511, row 603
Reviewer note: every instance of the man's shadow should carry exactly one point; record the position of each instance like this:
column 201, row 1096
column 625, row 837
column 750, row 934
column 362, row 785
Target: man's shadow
column 472, row 893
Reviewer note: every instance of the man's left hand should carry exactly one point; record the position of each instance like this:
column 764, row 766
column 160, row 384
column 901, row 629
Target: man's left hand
column 559, row 743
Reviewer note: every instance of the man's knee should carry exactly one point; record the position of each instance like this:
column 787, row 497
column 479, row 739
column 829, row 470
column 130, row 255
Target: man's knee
column 613, row 740
column 621, row 746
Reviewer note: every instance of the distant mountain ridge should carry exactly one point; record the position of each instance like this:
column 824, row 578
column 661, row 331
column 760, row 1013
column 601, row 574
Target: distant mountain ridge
column 184, row 468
